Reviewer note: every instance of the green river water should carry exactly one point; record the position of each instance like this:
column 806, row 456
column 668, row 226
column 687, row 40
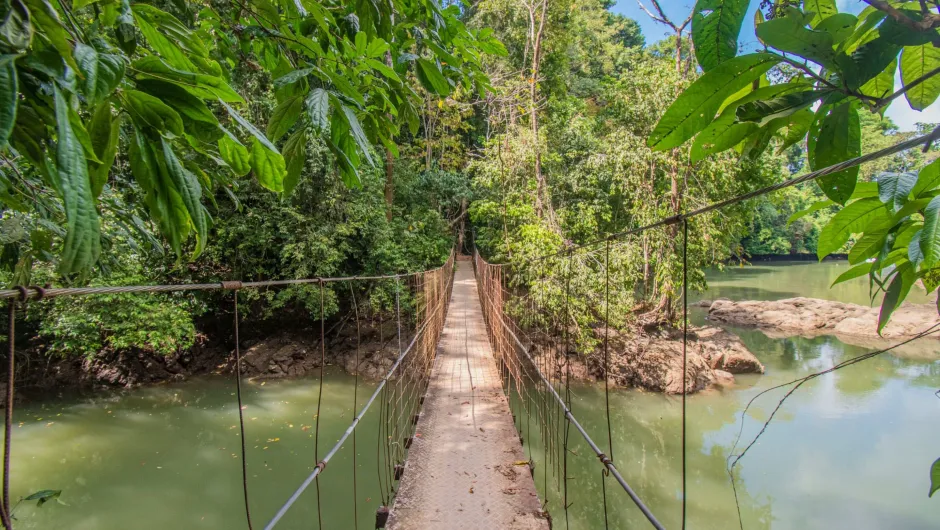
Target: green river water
column 851, row 449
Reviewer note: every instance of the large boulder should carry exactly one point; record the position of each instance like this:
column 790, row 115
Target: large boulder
column 813, row 316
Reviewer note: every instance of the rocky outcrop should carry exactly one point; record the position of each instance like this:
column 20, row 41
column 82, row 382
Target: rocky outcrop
column 812, row 316
column 653, row 361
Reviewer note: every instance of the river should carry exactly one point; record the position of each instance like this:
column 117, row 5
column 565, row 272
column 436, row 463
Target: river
column 850, row 449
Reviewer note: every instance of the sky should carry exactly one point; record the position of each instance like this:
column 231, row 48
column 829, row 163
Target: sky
column 677, row 10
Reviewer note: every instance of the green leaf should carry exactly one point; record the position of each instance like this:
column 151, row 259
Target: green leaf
column 850, row 220
column 249, row 127
column 9, row 97
column 764, row 111
column 914, row 253
column 284, row 117
column 190, row 191
column 815, row 207
column 16, row 32
column 292, row 77
column 722, row 134
column 716, row 25
column 164, row 203
column 934, row 477
column 797, row 127
column 177, row 98
column 383, row 69
column 873, row 239
column 695, row 108
column 882, row 84
column 44, row 496
column 927, row 180
column 171, row 27
column 103, row 72
column 344, row 87
column 839, row 25
column 83, row 236
column 916, row 62
column 104, row 132
column 789, row 34
column 204, row 86
column 821, row 9
column 930, row 234
column 904, row 278
column 839, row 139
column 358, row 134
column 894, row 188
column 318, row 107
column 857, row 271
column 376, row 48
column 295, row 156
column 153, row 112
column 431, row 78
column 268, row 166
column 124, row 32
column 47, row 21
column 235, row 155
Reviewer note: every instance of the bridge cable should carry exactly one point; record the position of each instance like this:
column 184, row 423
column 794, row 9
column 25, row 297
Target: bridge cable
column 352, row 292
column 241, row 415
column 685, row 340
column 610, row 439
column 5, row 514
column 567, row 328
column 316, row 436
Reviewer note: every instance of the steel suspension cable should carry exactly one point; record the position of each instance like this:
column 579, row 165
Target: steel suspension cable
column 5, row 514
column 241, row 415
column 685, row 340
column 610, row 439
column 352, row 292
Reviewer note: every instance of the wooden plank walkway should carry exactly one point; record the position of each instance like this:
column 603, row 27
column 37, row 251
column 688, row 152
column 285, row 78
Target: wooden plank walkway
column 461, row 471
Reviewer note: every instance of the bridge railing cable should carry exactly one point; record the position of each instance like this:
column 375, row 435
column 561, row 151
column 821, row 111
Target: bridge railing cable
column 500, row 331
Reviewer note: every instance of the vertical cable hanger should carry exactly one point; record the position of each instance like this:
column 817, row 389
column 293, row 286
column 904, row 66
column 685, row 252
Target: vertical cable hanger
column 685, row 340
column 610, row 439
column 5, row 514
column 355, row 464
column 316, row 436
column 567, row 328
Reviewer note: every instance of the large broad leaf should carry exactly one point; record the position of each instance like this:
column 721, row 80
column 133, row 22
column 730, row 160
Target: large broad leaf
column 268, row 166
column 235, row 155
column 695, row 108
column 872, row 57
column 821, row 10
column 164, row 203
column 103, row 72
column 930, row 234
column 318, row 107
column 839, row 139
column 850, row 220
column 894, row 188
column 179, row 99
column 104, row 131
column 190, row 191
column 47, row 21
column 722, row 134
column 904, row 278
column 798, row 125
column 171, row 28
column 914, row 254
column 764, row 111
column 249, row 127
column 83, row 236
column 148, row 110
column 857, row 271
column 295, row 155
column 16, row 32
column 882, row 84
column 204, row 86
column 839, row 25
column 292, row 77
column 927, row 179
column 873, row 239
column 124, row 30
column 431, row 77
column 716, row 25
column 9, row 94
column 916, row 62
column 790, row 34
column 358, row 134
column 285, row 116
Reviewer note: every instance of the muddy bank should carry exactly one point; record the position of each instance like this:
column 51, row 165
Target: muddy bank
column 653, row 361
column 283, row 353
column 812, row 317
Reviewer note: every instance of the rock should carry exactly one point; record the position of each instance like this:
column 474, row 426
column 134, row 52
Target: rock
column 812, row 316
column 723, row 378
column 703, row 303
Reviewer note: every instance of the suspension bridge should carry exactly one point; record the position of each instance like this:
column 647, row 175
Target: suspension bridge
column 471, row 383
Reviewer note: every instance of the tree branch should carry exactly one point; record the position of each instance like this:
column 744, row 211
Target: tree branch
column 888, row 99
column 929, row 22
column 662, row 18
